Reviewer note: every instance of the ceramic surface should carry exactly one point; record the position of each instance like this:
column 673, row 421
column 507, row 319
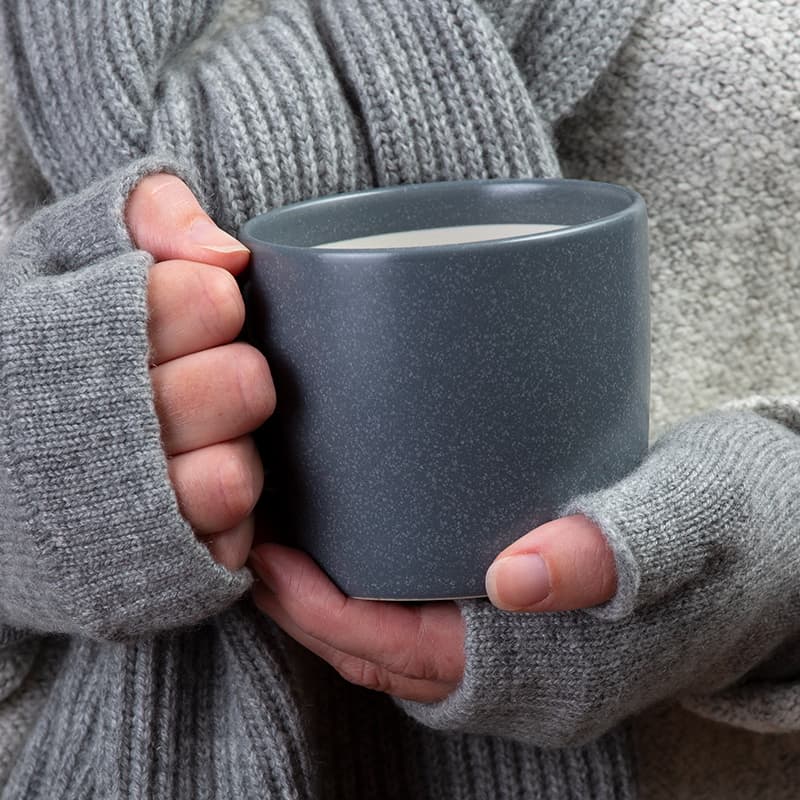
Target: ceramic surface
column 436, row 403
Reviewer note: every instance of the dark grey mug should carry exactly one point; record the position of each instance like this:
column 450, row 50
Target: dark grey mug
column 435, row 403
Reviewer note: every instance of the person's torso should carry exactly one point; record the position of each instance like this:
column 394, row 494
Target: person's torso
column 699, row 113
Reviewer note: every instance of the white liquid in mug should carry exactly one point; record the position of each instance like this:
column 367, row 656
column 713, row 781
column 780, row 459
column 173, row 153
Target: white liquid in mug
column 456, row 234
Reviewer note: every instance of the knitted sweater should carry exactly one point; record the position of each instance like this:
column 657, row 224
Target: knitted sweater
column 131, row 664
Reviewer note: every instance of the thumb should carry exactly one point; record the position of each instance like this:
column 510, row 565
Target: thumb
column 165, row 219
column 560, row 566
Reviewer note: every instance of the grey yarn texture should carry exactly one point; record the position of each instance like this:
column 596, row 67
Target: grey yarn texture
column 130, row 663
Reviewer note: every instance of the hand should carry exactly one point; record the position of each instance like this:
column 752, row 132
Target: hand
column 210, row 392
column 415, row 652
column 562, row 565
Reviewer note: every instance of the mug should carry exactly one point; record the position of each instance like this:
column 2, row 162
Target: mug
column 435, row 401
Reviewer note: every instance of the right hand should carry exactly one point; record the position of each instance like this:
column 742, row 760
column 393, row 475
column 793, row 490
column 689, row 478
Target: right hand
column 210, row 392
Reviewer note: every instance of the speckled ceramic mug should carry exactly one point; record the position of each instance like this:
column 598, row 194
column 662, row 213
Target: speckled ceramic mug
column 435, row 403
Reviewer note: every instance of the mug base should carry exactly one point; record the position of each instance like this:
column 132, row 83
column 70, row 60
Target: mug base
column 421, row 599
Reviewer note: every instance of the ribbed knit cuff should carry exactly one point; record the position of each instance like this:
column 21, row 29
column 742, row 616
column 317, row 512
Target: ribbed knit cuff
column 96, row 544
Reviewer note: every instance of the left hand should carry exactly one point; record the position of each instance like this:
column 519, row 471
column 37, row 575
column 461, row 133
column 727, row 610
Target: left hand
column 416, row 652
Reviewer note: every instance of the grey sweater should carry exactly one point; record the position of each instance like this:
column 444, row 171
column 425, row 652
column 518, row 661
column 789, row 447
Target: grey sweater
column 164, row 682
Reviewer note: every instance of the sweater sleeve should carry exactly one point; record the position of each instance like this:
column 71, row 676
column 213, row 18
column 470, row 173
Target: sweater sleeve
column 91, row 538
column 288, row 100
column 84, row 76
column 291, row 99
column 538, row 34
column 705, row 537
column 277, row 101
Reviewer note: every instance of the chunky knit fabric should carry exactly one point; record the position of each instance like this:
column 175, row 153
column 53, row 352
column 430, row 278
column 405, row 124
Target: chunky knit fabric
column 303, row 98
column 699, row 112
column 166, row 684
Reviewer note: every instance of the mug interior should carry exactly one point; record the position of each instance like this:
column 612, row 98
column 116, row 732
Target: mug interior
column 568, row 203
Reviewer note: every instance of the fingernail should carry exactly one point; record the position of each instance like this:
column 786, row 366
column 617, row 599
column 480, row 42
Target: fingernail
column 205, row 233
column 516, row 582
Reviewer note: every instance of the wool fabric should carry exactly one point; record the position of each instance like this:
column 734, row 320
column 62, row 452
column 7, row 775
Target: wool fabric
column 132, row 665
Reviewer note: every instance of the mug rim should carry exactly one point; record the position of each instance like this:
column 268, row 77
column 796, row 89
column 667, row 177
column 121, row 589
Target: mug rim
column 634, row 205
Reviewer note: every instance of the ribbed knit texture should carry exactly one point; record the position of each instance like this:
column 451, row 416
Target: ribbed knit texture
column 237, row 723
column 21, row 185
column 305, row 98
column 292, row 101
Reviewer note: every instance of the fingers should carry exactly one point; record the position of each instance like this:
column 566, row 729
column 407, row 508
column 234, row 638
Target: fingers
column 193, row 307
column 231, row 548
column 217, row 489
column 563, row 565
column 352, row 668
column 421, row 642
column 165, row 218
column 218, row 486
column 212, row 396
column 207, row 391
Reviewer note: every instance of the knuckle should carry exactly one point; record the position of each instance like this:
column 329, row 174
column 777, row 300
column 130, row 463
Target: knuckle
column 157, row 291
column 146, row 197
column 304, row 586
column 236, row 487
column 365, row 673
column 152, row 185
column 143, row 193
column 161, row 395
column 223, row 310
column 159, row 206
column 410, row 665
column 422, row 661
column 416, row 661
column 255, row 385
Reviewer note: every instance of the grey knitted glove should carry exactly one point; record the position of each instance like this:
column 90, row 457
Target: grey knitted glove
column 91, row 539
column 706, row 535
